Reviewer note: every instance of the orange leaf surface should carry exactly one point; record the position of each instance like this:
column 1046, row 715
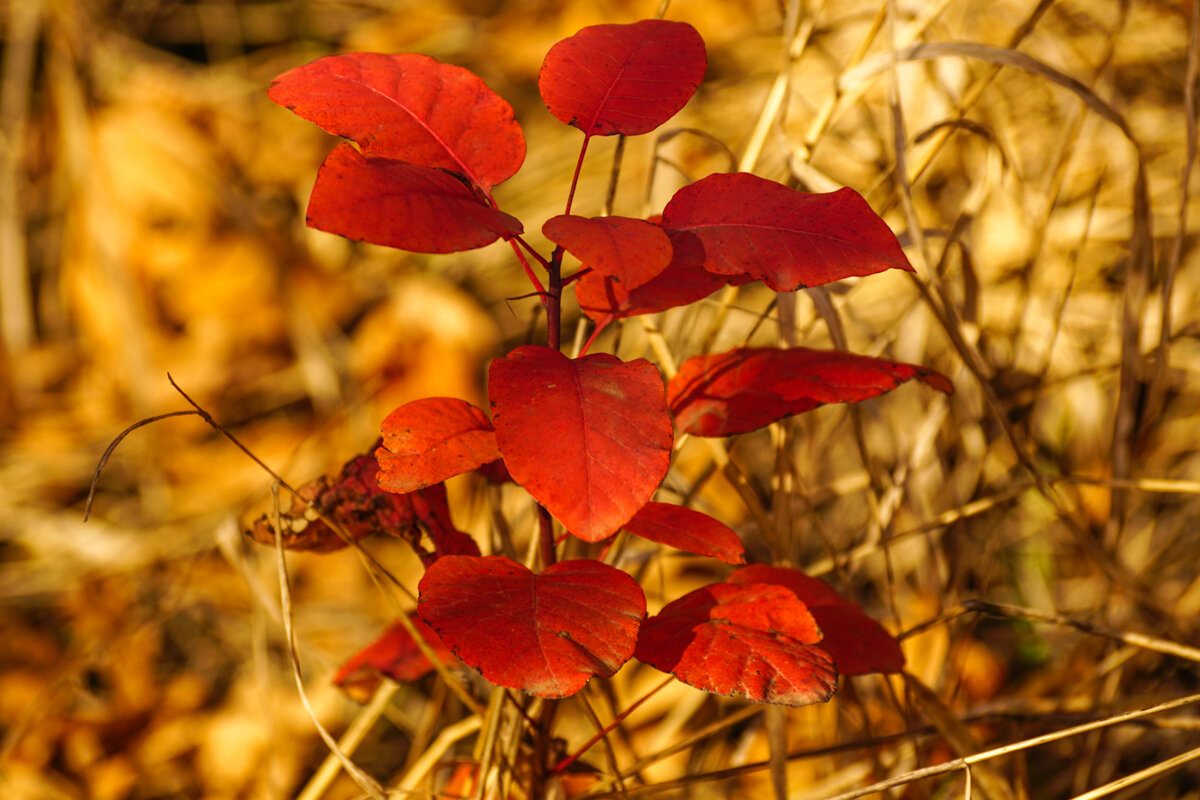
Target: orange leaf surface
column 429, row 440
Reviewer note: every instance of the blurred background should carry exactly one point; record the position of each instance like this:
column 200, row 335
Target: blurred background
column 1034, row 158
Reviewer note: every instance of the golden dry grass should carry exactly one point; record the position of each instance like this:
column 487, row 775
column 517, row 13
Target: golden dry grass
column 1035, row 159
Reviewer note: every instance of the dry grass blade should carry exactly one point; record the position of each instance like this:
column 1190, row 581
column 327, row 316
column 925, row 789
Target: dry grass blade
column 958, row 736
column 1141, row 775
column 368, row 784
column 987, row 755
column 1136, row 639
column 349, row 742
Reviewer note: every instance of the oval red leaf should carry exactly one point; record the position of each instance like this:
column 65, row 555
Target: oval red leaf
column 682, row 283
column 753, row 640
column 748, row 388
column 602, row 298
column 411, row 108
column 393, row 654
column 786, row 238
column 628, row 79
column 687, row 529
column 630, row 251
column 429, row 440
column 545, row 634
column 419, row 209
column 589, row 438
column 858, row 644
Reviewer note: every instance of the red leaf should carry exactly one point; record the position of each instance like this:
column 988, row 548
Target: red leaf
column 430, row 507
column 429, row 440
column 748, row 388
column 784, row 237
column 682, row 283
column 411, row 108
column 630, row 251
column 601, row 298
column 419, row 209
column 857, row 643
column 626, row 79
column 589, row 438
column 393, row 654
column 545, row 634
column 753, row 640
column 351, row 499
column 687, row 529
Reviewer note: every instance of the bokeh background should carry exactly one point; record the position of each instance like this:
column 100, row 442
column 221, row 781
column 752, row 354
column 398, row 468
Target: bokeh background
column 1035, row 158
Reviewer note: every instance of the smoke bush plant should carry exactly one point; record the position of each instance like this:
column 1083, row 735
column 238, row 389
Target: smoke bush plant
column 589, row 438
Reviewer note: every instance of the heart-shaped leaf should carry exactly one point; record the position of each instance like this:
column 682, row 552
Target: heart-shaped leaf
column 786, row 238
column 630, row 251
column 589, row 438
column 687, row 529
column 857, row 643
column 411, row 108
column 628, row 79
column 414, row 208
column 748, row 388
column 429, row 440
column 752, row 640
column 393, row 654
column 546, row 634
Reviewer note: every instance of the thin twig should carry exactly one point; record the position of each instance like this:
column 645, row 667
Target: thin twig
column 108, row 451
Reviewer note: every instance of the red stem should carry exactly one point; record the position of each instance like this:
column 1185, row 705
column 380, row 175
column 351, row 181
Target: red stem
column 571, row 759
column 546, row 536
column 525, row 265
column 575, row 177
column 554, row 300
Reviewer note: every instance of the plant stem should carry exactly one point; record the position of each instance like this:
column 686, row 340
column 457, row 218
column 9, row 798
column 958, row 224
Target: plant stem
column 546, row 535
column 575, row 177
column 554, row 300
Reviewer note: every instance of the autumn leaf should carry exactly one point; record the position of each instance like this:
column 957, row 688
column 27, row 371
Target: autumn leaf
column 681, row 283
column 393, row 654
column 351, row 499
column 411, row 108
column 784, row 237
column 395, row 204
column 630, row 251
column 752, row 640
column 748, row 388
column 858, row 644
column 546, row 634
column 589, row 438
column 687, row 529
column 429, row 440
column 609, row 79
